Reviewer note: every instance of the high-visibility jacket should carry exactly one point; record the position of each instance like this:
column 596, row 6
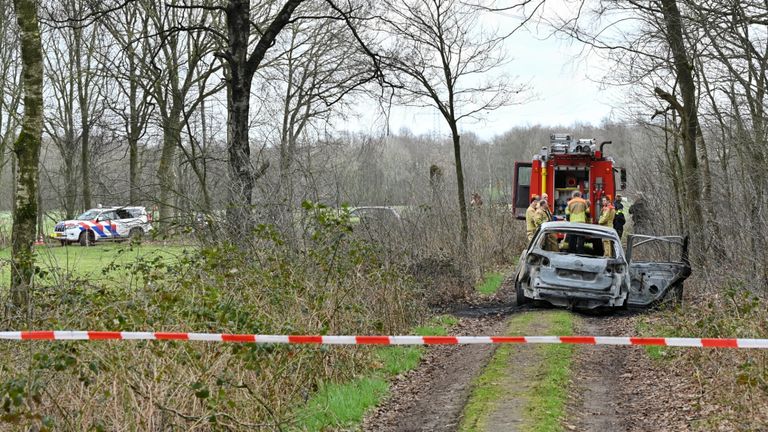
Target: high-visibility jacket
column 606, row 216
column 539, row 217
column 530, row 213
column 577, row 209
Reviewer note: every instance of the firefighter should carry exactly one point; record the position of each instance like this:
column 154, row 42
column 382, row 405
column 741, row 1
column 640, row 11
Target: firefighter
column 577, row 208
column 529, row 217
column 607, row 214
column 620, row 220
column 545, row 197
column 543, row 214
column 576, row 211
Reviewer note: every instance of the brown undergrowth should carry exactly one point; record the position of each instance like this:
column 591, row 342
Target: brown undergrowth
column 732, row 383
column 336, row 284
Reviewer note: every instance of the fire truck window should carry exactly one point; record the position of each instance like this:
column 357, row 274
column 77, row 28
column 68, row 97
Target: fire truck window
column 524, row 176
column 523, row 186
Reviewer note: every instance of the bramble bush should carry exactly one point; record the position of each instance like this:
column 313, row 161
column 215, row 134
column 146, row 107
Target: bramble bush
column 336, row 283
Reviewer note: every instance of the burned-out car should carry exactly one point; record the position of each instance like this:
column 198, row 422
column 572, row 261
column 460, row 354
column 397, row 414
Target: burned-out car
column 580, row 265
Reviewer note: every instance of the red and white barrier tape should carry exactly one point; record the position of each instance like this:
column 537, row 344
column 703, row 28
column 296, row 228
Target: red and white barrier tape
column 385, row 340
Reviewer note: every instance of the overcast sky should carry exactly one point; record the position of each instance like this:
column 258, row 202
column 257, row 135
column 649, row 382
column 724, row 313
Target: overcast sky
column 562, row 83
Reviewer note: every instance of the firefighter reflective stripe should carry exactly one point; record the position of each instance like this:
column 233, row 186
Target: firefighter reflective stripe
column 577, row 209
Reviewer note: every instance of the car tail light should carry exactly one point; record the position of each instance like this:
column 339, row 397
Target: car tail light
column 149, row 217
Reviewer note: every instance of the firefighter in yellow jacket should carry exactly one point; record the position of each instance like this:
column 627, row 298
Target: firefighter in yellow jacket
column 543, row 214
column 530, row 213
column 577, row 208
column 607, row 213
column 576, row 211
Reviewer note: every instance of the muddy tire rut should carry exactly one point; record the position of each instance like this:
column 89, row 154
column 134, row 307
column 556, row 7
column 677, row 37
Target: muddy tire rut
column 598, row 404
column 432, row 397
column 613, row 388
column 621, row 389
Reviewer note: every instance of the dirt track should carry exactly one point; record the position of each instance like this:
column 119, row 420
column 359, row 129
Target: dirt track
column 432, row 397
column 613, row 388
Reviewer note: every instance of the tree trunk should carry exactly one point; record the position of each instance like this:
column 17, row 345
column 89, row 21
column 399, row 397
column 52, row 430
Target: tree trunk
column 460, row 189
column 27, row 152
column 689, row 115
column 70, row 189
column 85, row 134
column 240, row 69
column 238, row 109
column 133, row 169
column 165, row 169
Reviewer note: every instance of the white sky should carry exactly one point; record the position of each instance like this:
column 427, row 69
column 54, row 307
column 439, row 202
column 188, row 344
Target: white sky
column 563, row 89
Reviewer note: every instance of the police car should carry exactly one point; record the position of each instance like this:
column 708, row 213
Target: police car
column 100, row 224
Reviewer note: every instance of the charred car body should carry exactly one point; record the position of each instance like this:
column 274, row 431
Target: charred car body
column 580, row 265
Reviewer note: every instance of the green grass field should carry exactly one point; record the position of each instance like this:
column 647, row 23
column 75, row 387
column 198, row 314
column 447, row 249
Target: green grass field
column 50, row 219
column 89, row 262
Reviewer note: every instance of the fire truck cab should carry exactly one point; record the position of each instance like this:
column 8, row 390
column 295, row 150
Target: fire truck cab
column 567, row 165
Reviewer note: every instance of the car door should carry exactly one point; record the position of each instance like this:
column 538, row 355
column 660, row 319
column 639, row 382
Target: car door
column 658, row 265
column 124, row 222
column 521, row 189
column 105, row 225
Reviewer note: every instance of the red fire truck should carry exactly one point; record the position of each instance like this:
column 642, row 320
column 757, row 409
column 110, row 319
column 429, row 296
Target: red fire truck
column 565, row 166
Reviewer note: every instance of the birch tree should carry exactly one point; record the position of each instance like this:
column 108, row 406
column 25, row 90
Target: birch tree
column 27, row 152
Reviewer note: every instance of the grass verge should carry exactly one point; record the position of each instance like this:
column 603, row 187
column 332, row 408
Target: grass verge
column 343, row 405
column 546, row 407
column 545, row 399
column 491, row 283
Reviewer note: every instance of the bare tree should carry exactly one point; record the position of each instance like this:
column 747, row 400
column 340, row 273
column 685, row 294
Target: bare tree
column 27, row 153
column 443, row 58
column 75, row 105
column 60, row 119
column 655, row 54
column 316, row 68
column 174, row 64
column 241, row 63
column 130, row 102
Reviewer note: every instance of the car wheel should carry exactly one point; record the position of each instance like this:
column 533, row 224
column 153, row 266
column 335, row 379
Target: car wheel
column 87, row 238
column 136, row 233
column 520, row 294
column 63, row 242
